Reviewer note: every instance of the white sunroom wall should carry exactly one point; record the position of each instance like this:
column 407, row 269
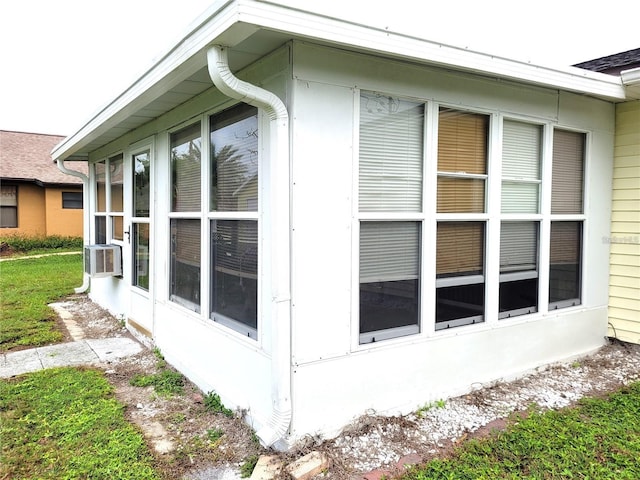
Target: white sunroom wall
column 211, row 355
column 334, row 378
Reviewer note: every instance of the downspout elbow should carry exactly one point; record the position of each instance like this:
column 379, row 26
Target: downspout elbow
column 85, row 222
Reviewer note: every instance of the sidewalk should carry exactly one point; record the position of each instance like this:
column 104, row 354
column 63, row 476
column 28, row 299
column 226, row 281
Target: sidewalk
column 82, row 352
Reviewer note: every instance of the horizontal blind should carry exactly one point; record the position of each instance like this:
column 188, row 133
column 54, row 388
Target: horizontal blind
column 520, row 197
column 389, row 251
column 100, row 171
column 518, row 246
column 568, row 168
column 185, row 238
column 460, row 248
column 462, row 142
column 391, row 154
column 116, row 182
column 521, row 150
column 185, row 169
column 461, row 195
column 565, row 243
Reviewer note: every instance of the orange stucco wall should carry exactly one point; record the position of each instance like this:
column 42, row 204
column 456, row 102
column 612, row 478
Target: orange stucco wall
column 40, row 213
column 65, row 222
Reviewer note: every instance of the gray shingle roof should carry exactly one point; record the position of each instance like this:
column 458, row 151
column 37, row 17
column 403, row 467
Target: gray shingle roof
column 613, row 64
column 27, row 156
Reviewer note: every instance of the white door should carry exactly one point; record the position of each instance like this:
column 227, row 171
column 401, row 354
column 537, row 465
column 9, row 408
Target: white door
column 140, row 239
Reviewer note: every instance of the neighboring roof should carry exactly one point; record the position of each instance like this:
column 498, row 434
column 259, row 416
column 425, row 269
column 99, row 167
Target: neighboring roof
column 27, row 157
column 252, row 28
column 613, row 64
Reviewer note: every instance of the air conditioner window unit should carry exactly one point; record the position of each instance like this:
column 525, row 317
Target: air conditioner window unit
column 103, row 260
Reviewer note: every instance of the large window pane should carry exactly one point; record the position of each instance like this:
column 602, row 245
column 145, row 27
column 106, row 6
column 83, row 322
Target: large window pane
column 391, row 154
column 100, row 171
column 234, row 289
column 389, row 277
column 141, row 182
column 518, row 268
column 462, row 141
column 521, row 152
column 185, row 263
column 116, row 182
column 234, row 160
column 460, row 249
column 565, row 264
column 462, row 161
column 568, row 168
column 459, row 274
column 141, row 255
column 186, row 146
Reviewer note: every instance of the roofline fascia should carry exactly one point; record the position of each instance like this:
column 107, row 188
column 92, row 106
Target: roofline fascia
column 231, row 21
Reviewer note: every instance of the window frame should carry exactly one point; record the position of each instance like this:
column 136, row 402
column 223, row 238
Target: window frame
column 13, row 208
column 493, row 217
column 73, row 201
column 382, row 215
column 248, row 214
column 108, row 216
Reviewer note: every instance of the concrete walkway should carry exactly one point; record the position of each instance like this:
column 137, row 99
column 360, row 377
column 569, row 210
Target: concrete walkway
column 82, row 352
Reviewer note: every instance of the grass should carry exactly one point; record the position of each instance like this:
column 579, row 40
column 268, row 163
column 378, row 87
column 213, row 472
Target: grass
column 598, row 439
column 27, row 286
column 65, row 424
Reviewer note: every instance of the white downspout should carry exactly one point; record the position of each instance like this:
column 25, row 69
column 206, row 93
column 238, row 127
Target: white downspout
column 276, row 428
column 85, row 213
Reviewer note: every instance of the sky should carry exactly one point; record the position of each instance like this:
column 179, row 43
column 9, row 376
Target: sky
column 62, row 60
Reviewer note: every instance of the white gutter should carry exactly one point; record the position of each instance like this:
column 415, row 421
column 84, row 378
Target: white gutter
column 276, row 428
column 631, row 81
column 85, row 213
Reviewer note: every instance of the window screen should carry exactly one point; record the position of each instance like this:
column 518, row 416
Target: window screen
column 565, row 263
column 9, row 206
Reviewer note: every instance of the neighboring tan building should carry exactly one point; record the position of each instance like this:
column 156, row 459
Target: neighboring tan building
column 624, row 276
column 36, row 198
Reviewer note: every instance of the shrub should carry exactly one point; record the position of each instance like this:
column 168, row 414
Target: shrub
column 24, row 243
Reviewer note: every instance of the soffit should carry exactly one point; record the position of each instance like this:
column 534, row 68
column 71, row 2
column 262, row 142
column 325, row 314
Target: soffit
column 253, row 28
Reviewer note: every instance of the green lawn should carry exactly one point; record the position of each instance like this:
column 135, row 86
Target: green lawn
column 599, row 439
column 66, row 424
column 26, row 287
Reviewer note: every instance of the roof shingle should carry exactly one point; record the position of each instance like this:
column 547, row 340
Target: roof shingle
column 27, row 156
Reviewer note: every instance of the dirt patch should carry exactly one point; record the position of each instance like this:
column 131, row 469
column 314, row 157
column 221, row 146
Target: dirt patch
column 183, row 435
column 191, row 442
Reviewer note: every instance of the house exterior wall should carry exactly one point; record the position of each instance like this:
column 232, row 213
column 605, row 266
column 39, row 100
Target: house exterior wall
column 40, row 212
column 66, row 222
column 330, row 368
column 333, row 373
column 624, row 280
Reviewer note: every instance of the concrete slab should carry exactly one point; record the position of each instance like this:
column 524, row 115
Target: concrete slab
column 66, row 354
column 108, row 349
column 84, row 352
column 17, row 363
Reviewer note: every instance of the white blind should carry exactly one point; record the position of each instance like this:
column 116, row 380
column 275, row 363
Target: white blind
column 521, row 148
column 391, row 153
column 568, row 166
column 518, row 246
column 389, row 251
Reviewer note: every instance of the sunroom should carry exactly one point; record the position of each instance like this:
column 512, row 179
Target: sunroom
column 318, row 219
